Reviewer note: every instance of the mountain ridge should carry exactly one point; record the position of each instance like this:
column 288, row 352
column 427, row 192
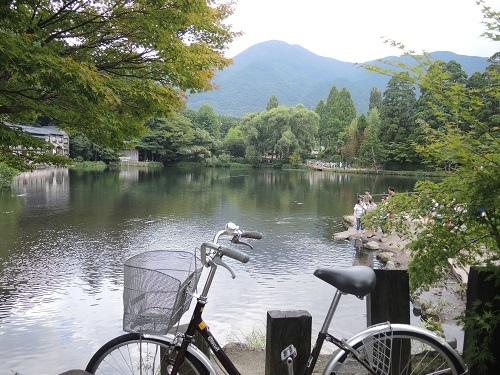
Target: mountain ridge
column 296, row 75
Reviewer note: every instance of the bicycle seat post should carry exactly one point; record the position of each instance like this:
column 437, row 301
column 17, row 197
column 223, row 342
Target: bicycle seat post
column 331, row 311
column 289, row 363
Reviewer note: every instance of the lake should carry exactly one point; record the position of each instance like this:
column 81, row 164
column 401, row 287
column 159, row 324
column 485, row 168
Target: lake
column 65, row 234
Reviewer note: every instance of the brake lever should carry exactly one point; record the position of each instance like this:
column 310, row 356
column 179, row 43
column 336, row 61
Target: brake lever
column 236, row 240
column 220, row 262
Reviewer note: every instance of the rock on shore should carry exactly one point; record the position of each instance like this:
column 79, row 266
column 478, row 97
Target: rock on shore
column 445, row 302
column 390, row 248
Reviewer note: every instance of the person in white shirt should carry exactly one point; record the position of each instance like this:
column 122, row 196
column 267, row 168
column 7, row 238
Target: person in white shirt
column 371, row 205
column 359, row 209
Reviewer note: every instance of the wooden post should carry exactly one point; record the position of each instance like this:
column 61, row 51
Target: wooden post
column 390, row 300
column 480, row 289
column 285, row 328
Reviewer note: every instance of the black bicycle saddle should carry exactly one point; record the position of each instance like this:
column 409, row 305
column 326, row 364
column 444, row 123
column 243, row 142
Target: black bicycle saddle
column 356, row 280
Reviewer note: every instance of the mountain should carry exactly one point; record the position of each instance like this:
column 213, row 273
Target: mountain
column 295, row 75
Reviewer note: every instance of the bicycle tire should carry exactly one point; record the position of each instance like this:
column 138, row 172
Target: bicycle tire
column 399, row 351
column 133, row 353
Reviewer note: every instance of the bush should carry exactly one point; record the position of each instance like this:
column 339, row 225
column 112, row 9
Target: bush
column 90, row 165
column 278, row 164
column 224, row 160
column 7, row 174
column 155, row 164
column 295, row 159
column 234, row 165
column 293, row 166
column 240, row 160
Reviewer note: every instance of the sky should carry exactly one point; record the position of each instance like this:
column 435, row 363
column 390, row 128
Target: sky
column 355, row 30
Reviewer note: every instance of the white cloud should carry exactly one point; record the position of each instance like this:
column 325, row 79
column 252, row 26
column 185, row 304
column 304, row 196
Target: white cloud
column 353, row 30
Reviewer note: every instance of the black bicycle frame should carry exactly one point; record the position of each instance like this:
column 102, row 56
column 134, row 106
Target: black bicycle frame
column 313, row 358
column 197, row 324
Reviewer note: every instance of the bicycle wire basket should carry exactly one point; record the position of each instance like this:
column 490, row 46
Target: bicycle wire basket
column 157, row 289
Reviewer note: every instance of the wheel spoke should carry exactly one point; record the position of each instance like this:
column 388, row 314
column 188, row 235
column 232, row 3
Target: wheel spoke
column 399, row 353
column 131, row 354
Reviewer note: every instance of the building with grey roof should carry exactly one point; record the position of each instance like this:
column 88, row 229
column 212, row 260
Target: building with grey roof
column 58, row 138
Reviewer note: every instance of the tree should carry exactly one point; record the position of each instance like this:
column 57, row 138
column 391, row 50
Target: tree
column 80, row 147
column 254, row 133
column 321, row 112
column 488, row 112
column 327, row 120
column 430, row 110
column 287, row 144
column 104, row 68
column 83, row 149
column 375, row 99
column 338, row 113
column 397, row 115
column 304, row 124
column 344, row 110
column 355, row 137
column 398, row 108
column 234, row 143
column 226, row 123
column 204, row 145
column 371, row 152
column 466, row 211
column 207, row 119
column 351, row 145
column 273, row 103
column 275, row 123
column 169, row 140
column 281, row 130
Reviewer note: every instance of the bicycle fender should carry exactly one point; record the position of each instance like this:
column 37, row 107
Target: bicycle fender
column 382, row 327
column 197, row 353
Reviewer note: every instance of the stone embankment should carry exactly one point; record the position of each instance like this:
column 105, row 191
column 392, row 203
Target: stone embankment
column 390, row 247
column 444, row 303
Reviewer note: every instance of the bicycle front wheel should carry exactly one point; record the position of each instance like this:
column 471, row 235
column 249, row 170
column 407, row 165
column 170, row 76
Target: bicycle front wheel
column 399, row 351
column 134, row 354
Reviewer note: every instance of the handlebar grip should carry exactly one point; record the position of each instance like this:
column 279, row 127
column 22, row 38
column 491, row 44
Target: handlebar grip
column 251, row 234
column 234, row 254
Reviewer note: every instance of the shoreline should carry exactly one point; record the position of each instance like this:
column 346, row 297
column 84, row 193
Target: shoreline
column 444, row 303
column 391, row 253
column 390, row 248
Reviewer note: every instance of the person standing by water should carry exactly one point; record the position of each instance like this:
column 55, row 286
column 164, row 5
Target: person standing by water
column 359, row 209
column 367, row 196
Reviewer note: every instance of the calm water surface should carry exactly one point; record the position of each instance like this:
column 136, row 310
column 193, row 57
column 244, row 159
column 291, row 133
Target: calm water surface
column 64, row 236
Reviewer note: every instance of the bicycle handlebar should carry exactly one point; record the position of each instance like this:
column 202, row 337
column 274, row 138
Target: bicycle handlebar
column 251, row 234
column 234, row 254
column 233, row 231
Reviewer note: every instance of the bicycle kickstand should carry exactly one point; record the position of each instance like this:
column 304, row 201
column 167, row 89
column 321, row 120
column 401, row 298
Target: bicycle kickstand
column 287, row 356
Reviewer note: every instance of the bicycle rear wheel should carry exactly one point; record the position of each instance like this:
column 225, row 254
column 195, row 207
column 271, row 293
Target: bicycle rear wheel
column 134, row 354
column 399, row 351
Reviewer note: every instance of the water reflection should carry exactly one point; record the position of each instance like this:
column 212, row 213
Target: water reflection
column 65, row 235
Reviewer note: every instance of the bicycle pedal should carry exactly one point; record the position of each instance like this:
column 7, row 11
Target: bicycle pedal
column 288, row 352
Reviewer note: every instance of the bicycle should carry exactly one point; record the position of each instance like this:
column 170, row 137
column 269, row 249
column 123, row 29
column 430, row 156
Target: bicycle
column 380, row 349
